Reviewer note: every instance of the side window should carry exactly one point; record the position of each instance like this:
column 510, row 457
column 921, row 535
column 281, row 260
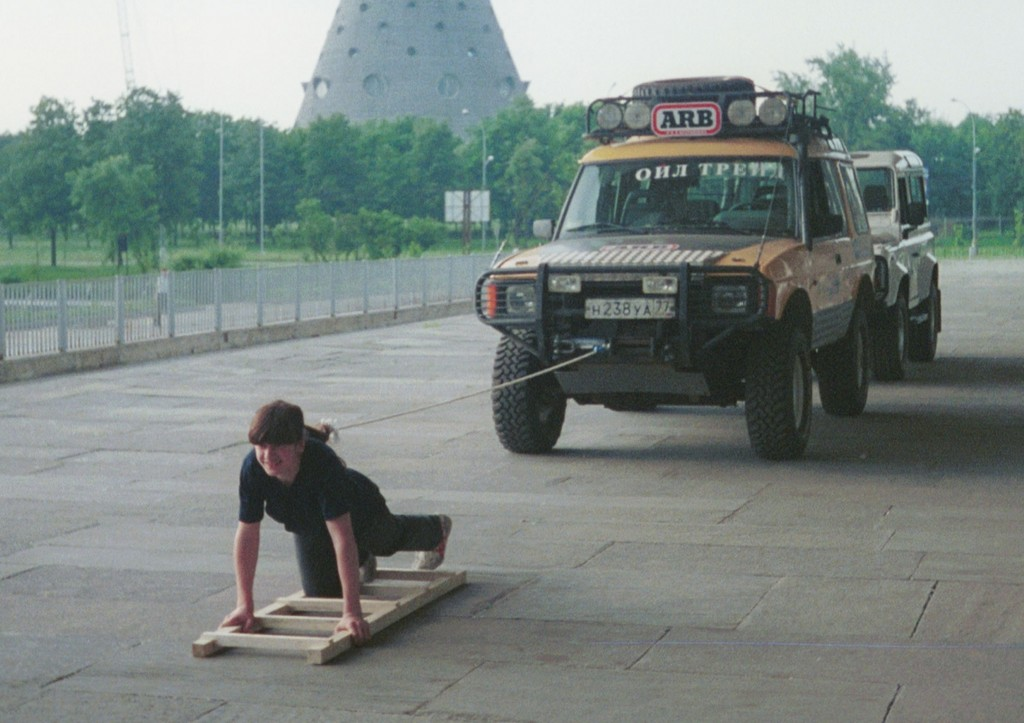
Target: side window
column 912, row 196
column 824, row 201
column 917, row 191
column 876, row 187
column 860, row 216
column 904, row 192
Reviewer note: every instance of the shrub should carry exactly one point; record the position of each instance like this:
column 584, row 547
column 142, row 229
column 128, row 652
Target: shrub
column 216, row 258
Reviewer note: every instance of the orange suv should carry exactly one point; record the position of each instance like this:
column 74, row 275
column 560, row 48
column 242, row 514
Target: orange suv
column 713, row 249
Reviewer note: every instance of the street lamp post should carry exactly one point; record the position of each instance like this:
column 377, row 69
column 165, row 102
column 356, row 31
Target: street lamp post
column 485, row 160
column 484, row 222
column 974, row 179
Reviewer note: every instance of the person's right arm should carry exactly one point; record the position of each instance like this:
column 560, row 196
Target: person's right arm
column 246, row 553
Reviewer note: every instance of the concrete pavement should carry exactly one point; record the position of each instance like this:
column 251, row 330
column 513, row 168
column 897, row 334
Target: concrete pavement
column 651, row 568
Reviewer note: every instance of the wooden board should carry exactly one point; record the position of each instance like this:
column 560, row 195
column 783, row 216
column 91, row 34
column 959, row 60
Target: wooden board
column 300, row 624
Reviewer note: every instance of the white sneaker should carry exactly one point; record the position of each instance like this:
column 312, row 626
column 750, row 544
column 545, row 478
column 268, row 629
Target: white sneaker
column 432, row 559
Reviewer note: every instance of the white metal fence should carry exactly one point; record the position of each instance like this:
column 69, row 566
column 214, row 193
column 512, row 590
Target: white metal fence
column 60, row 316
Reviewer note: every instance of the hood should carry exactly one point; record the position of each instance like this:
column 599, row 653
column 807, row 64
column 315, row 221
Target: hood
column 653, row 251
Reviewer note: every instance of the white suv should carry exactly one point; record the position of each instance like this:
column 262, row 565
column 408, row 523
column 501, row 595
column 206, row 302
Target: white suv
column 908, row 314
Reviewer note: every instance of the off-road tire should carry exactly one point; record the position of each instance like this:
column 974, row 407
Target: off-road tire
column 844, row 370
column 924, row 335
column 778, row 393
column 528, row 416
column 892, row 341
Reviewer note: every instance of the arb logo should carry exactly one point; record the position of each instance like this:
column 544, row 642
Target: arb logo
column 687, row 119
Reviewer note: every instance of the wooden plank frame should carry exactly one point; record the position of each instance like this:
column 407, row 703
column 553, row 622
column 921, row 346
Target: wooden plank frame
column 296, row 623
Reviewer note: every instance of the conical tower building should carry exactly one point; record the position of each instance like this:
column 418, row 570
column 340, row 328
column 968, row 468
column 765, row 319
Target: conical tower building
column 384, row 59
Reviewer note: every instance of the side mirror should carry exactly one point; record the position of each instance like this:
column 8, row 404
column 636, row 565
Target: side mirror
column 543, row 228
column 915, row 214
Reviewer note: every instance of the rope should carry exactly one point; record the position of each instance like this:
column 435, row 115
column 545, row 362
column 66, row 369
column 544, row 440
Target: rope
column 520, row 380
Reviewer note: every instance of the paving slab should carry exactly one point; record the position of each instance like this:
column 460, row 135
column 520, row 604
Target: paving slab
column 649, row 568
column 540, row 693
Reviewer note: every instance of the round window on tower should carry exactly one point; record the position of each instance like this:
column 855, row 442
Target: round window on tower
column 449, row 86
column 375, row 85
column 506, row 87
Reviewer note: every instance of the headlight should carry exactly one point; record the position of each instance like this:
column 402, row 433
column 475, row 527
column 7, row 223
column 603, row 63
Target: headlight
column 730, row 299
column 504, row 300
column 565, row 284
column 520, row 300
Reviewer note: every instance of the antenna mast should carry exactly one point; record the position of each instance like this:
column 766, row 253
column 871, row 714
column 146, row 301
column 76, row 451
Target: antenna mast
column 126, row 46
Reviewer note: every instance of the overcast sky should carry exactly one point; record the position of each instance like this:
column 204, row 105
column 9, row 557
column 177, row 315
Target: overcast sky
column 248, row 58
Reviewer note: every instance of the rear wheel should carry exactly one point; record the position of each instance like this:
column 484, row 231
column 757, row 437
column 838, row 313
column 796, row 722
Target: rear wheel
column 891, row 342
column 528, row 416
column 844, row 370
column 778, row 393
column 924, row 335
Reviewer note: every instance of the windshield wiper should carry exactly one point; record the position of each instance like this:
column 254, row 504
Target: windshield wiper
column 601, row 227
column 728, row 228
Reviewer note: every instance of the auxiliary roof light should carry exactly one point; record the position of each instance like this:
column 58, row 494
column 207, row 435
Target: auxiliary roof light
column 741, row 112
column 773, row 111
column 609, row 116
column 637, row 115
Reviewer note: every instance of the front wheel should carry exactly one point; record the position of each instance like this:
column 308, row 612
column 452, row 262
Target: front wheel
column 844, row 370
column 778, row 393
column 924, row 335
column 528, row 416
column 891, row 342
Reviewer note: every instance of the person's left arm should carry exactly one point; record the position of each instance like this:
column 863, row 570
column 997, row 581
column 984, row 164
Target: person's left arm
column 347, row 554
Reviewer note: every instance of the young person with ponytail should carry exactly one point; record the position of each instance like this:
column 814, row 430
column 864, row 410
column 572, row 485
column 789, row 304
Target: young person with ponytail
column 338, row 516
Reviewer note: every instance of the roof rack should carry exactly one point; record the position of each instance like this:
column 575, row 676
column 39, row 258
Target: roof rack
column 705, row 107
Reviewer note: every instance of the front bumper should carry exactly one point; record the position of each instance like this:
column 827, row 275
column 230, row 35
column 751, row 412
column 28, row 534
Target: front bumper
column 555, row 325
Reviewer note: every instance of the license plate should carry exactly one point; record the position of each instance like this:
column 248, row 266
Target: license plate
column 655, row 307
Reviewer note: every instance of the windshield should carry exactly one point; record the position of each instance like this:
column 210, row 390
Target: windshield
column 728, row 195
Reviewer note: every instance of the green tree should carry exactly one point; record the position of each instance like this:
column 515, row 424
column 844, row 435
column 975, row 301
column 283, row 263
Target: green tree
column 119, row 201
column 282, row 163
column 410, row 163
column 7, row 192
column 1001, row 164
column 854, row 92
column 530, row 186
column 332, row 163
column 316, row 227
column 380, row 233
column 99, row 120
column 207, row 128
column 38, row 189
column 156, row 131
column 556, row 133
column 949, row 169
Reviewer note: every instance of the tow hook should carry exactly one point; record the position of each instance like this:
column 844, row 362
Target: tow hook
column 568, row 347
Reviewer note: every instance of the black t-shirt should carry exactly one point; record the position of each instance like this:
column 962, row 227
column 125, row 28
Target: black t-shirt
column 324, row 489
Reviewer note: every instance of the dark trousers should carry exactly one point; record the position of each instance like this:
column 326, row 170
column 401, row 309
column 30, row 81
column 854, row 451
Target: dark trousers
column 382, row 534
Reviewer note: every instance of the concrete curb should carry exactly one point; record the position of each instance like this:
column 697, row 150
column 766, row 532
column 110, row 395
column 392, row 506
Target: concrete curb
column 17, row 370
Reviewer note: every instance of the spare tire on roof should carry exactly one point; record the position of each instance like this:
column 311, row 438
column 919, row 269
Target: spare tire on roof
column 684, row 87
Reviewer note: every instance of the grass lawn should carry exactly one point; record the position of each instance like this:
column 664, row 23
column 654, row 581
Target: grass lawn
column 28, row 259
